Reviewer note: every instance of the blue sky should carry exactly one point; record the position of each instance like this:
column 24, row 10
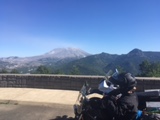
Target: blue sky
column 34, row 27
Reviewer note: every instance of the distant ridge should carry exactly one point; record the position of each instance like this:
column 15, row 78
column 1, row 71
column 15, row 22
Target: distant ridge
column 101, row 63
column 68, row 60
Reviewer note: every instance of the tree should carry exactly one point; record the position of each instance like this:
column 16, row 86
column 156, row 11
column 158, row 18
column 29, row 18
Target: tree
column 155, row 69
column 75, row 70
column 149, row 69
column 4, row 71
column 14, row 71
column 58, row 71
column 43, row 70
column 144, row 67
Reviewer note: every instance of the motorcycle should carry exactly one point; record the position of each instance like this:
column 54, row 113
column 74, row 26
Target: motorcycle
column 88, row 105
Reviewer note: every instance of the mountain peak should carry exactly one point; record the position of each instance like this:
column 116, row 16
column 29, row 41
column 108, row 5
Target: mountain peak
column 61, row 50
column 136, row 52
column 67, row 53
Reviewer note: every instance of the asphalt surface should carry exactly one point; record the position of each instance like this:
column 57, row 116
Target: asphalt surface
column 37, row 96
column 36, row 112
column 37, row 104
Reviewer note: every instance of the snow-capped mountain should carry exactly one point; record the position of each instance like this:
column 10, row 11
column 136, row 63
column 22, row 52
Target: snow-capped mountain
column 67, row 53
column 51, row 57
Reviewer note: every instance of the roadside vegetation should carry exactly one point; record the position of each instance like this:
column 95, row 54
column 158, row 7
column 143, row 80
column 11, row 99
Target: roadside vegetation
column 146, row 68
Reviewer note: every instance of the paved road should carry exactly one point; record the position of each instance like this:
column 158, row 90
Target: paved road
column 37, row 104
column 36, row 112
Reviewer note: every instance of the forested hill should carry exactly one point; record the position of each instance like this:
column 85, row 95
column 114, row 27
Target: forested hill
column 99, row 64
column 76, row 61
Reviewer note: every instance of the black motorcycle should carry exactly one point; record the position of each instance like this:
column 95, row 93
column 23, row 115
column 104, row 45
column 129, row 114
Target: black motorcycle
column 88, row 105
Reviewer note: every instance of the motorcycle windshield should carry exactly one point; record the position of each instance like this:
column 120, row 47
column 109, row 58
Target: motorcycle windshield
column 80, row 99
column 105, row 88
column 82, row 93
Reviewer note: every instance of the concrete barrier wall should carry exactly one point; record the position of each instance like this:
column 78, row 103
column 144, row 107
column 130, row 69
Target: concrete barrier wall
column 65, row 82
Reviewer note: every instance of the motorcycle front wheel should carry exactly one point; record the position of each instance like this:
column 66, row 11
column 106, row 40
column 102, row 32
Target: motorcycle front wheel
column 92, row 109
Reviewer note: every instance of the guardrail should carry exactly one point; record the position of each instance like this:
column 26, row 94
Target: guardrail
column 66, row 82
